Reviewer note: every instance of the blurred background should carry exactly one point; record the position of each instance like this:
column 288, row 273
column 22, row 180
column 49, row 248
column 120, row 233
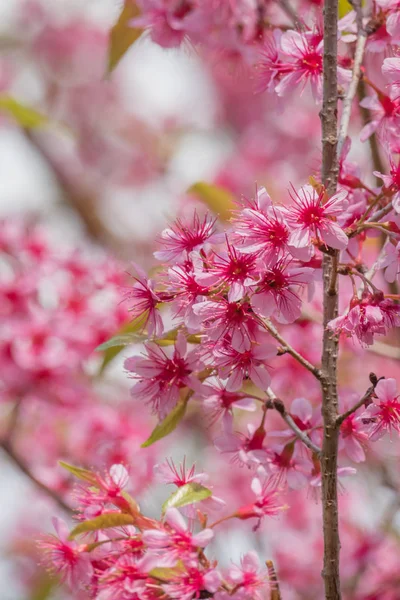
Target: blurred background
column 92, row 166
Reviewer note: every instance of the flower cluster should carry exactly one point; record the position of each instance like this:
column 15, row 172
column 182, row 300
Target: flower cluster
column 115, row 552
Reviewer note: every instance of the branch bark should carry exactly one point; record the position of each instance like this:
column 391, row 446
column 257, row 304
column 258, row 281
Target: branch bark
column 278, row 405
column 8, row 449
column 330, row 572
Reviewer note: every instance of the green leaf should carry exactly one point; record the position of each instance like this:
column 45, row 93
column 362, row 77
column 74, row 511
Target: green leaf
column 122, row 35
column 118, row 341
column 186, row 494
column 43, row 587
column 344, row 8
column 165, row 573
column 104, row 521
column 170, row 337
column 168, row 424
column 80, row 473
column 219, row 200
column 113, row 350
column 25, row 116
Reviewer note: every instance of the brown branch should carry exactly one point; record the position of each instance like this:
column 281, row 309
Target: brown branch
column 286, row 348
column 363, row 400
column 278, row 405
column 79, row 197
column 330, row 572
column 7, row 448
column 273, row 581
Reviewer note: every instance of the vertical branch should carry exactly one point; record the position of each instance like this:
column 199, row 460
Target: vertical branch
column 330, row 167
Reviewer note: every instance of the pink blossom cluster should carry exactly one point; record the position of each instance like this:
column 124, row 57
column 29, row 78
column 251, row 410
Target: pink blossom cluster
column 131, row 556
column 58, row 303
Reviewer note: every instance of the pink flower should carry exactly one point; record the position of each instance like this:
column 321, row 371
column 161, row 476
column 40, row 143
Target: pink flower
column 182, row 238
column 176, row 541
column 236, row 365
column 352, row 436
column 268, row 63
column 267, row 501
column 160, row 378
column 275, row 293
column 383, row 416
column 233, row 269
column 391, row 261
column 245, row 449
column 385, row 118
column 261, row 229
column 126, row 578
column 288, row 467
column 225, row 319
column 391, row 70
column 305, row 53
column 144, row 304
column 167, row 472
column 185, row 289
column 190, row 582
column 311, row 217
column 250, row 578
column 367, row 317
column 165, row 19
column 392, row 182
column 67, row 559
column 218, row 402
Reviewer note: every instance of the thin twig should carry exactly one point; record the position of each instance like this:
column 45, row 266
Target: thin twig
column 6, row 446
column 363, row 400
column 273, row 581
column 287, row 348
column 355, row 78
column 278, row 405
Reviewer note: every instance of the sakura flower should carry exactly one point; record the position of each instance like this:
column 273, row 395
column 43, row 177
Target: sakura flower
column 267, row 501
column 245, row 449
column 288, row 467
column 67, row 559
column 179, row 240
column 164, row 19
column 192, row 582
column 383, row 415
column 261, row 229
column 275, row 294
column 385, row 117
column 228, row 319
column 312, row 217
column 392, row 182
column 233, row 269
column 390, row 261
column 367, row 317
column 160, row 378
column 218, row 402
column 268, row 62
column 167, row 472
column 126, row 578
column 186, row 290
column 175, row 540
column 352, row 436
column 305, row 53
column 235, row 366
column 250, row 577
column 144, row 302
column 391, row 70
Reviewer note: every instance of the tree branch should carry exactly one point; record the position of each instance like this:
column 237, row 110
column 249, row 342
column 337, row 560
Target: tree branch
column 6, row 446
column 374, row 380
column 286, row 348
column 330, row 572
column 279, row 406
column 351, row 92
